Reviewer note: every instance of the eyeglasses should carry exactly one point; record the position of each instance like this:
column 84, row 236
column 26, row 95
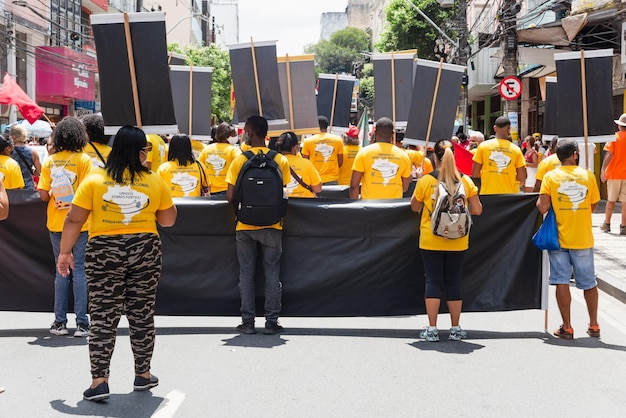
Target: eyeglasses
column 147, row 148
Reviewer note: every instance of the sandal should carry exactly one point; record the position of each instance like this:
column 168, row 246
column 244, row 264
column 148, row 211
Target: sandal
column 564, row 333
column 594, row 331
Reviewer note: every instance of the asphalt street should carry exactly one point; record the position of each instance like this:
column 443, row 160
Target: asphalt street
column 329, row 367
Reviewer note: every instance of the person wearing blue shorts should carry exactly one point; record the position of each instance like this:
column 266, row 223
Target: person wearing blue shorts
column 573, row 193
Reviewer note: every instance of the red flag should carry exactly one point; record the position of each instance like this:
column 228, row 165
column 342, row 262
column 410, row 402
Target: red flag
column 12, row 93
column 463, row 159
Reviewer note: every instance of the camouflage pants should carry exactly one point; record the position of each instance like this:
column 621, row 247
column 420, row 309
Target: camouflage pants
column 122, row 276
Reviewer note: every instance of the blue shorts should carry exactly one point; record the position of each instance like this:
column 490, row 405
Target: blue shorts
column 564, row 261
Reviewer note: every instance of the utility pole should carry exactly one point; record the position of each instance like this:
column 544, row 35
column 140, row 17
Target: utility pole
column 462, row 57
column 508, row 41
column 11, row 66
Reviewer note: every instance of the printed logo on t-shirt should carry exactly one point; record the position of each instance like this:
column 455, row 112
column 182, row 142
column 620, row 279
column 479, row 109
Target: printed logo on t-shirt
column 325, row 150
column 217, row 162
column 576, row 193
column 184, row 182
column 125, row 201
column 291, row 186
column 386, row 168
column 500, row 159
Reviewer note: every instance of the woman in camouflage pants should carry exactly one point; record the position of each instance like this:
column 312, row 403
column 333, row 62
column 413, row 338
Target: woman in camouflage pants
column 123, row 255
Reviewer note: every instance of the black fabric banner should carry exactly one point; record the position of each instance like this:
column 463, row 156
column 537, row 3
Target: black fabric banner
column 340, row 258
column 598, row 70
column 147, row 32
column 401, row 83
column 550, row 110
column 201, row 100
column 445, row 110
column 242, row 65
column 297, row 76
column 338, row 88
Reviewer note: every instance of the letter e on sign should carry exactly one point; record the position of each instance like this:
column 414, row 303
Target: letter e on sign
column 510, row 88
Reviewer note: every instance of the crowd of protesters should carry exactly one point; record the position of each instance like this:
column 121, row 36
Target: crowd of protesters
column 113, row 253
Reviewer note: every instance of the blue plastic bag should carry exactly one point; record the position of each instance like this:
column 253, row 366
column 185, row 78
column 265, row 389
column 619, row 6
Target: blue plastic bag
column 547, row 236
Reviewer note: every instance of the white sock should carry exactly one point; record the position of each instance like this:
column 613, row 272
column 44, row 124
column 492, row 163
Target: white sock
column 432, row 328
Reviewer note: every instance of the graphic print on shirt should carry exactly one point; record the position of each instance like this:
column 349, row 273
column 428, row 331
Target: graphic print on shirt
column 184, row 182
column 500, row 159
column 124, row 200
column 325, row 150
column 574, row 192
column 217, row 162
column 61, row 186
column 386, row 168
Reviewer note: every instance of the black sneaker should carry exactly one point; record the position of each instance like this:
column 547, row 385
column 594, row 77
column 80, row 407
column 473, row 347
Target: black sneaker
column 246, row 328
column 82, row 330
column 272, row 327
column 141, row 383
column 97, row 394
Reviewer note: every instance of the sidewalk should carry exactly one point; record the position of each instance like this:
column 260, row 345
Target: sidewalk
column 610, row 253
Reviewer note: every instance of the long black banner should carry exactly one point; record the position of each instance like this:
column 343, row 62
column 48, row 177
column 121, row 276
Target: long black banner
column 341, row 258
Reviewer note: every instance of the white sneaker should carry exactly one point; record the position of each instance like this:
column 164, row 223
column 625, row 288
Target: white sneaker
column 457, row 334
column 58, row 328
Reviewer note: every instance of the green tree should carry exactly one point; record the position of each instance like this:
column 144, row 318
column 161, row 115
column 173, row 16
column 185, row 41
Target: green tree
column 407, row 29
column 341, row 52
column 221, row 78
column 367, row 86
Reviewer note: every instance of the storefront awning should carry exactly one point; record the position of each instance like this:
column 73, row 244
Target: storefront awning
column 533, row 62
column 563, row 32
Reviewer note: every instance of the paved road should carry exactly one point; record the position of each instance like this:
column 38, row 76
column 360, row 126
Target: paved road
column 327, row 367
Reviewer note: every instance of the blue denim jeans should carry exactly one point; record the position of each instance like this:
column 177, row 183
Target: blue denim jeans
column 61, row 284
column 269, row 242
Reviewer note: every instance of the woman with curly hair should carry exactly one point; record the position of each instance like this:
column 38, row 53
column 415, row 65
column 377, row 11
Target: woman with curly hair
column 61, row 174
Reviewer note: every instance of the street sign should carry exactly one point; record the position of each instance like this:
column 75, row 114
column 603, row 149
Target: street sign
column 510, row 88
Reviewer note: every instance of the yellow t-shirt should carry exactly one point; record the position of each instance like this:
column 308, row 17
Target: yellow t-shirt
column 383, row 166
column 546, row 165
column 77, row 166
column 416, row 160
column 572, row 191
column 103, row 149
column 323, row 150
column 425, row 193
column 500, row 159
column 345, row 171
column 197, row 147
column 158, row 155
column 306, row 171
column 183, row 181
column 122, row 209
column 217, row 158
column 233, row 173
column 11, row 173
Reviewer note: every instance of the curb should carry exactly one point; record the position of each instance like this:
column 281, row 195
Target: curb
column 614, row 291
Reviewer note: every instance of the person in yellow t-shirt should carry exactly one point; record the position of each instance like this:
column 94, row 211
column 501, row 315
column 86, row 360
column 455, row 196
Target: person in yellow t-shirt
column 305, row 170
column 182, row 173
column 443, row 258
column 97, row 148
column 4, row 202
column 383, row 169
column 547, row 164
column 218, row 157
column 196, row 148
column 249, row 237
column 499, row 163
column 157, row 154
column 123, row 258
column 350, row 148
column 67, row 165
column 573, row 193
column 10, row 171
column 325, row 150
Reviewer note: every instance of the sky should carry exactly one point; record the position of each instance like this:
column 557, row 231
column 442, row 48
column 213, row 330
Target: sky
column 293, row 23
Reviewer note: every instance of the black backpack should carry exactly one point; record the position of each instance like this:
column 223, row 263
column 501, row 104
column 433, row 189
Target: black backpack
column 258, row 195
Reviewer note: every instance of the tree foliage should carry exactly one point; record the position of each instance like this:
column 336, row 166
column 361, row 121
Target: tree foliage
column 407, row 29
column 341, row 52
column 221, row 78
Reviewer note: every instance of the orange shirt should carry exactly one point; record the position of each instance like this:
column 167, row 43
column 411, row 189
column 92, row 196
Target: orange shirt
column 616, row 169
